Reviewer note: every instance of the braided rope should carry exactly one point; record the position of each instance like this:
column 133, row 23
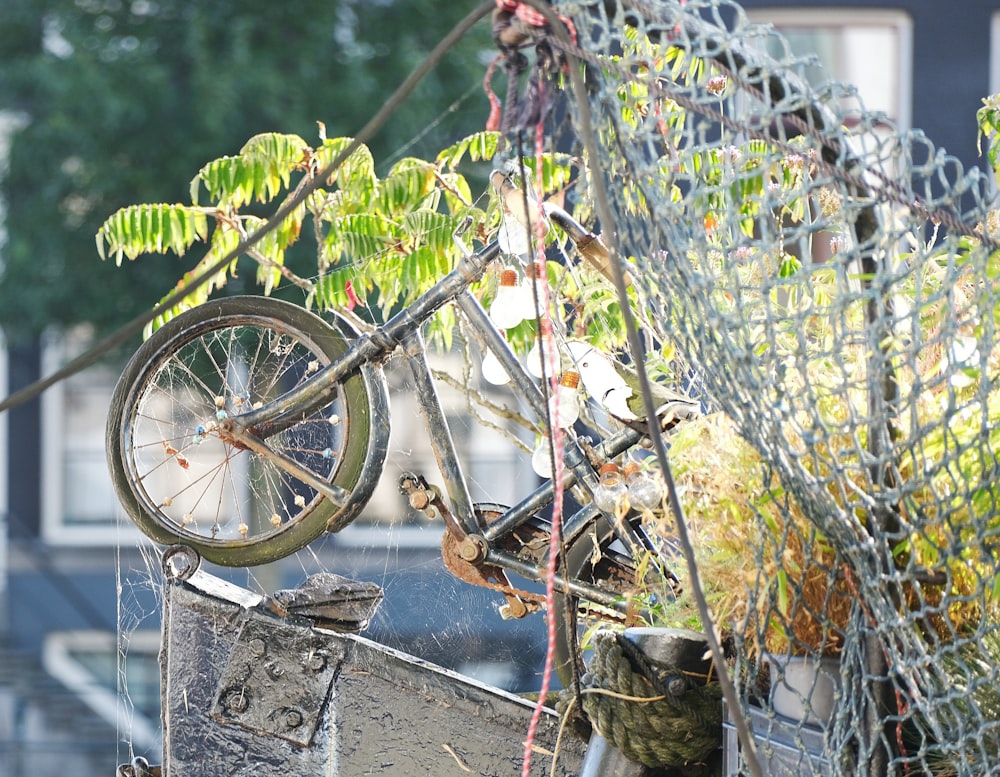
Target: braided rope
column 680, row 724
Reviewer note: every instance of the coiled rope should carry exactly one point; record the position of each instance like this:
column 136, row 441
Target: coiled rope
column 655, row 714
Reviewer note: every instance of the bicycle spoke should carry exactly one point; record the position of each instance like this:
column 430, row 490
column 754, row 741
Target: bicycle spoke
column 186, row 472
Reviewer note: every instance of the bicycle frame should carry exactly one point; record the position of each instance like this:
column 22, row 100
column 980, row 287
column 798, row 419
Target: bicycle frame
column 403, row 333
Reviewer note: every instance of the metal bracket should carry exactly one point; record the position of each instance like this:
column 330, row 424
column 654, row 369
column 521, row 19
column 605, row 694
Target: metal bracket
column 330, row 601
column 245, row 692
column 277, row 680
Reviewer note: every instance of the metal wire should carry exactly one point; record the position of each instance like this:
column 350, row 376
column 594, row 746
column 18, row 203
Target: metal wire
column 831, row 281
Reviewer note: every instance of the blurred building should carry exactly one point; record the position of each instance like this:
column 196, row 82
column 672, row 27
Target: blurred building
column 79, row 606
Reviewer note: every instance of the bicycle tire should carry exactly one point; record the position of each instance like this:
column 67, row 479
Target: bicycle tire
column 182, row 484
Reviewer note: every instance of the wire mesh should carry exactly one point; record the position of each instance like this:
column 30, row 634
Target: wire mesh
column 829, row 281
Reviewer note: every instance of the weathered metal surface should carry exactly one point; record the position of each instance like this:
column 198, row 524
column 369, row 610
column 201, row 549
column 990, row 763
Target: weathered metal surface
column 277, row 679
column 367, row 710
column 331, row 601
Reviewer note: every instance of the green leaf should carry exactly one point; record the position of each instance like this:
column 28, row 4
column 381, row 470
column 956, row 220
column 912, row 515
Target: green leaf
column 259, row 172
column 407, row 186
column 331, row 288
column 480, row 146
column 357, row 173
column 362, row 236
column 431, row 228
column 151, row 228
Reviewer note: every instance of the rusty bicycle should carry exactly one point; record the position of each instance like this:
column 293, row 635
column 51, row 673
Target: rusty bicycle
column 248, row 426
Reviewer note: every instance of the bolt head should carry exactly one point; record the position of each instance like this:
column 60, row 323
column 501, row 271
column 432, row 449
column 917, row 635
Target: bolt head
column 274, row 671
column 236, row 700
column 470, row 550
column 419, row 500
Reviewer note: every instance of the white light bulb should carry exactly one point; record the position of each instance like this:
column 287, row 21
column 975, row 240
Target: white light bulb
column 533, row 297
column 541, row 459
column 611, row 494
column 533, row 361
column 513, row 237
column 526, row 307
column 564, row 405
column 644, row 489
column 505, row 311
column 493, row 370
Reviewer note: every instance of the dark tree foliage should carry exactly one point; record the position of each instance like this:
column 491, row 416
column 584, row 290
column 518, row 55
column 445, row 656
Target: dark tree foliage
column 125, row 101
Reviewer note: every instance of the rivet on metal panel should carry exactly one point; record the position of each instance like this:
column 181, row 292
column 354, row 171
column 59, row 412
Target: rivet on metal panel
column 315, row 661
column 139, row 767
column 274, row 670
column 281, row 672
column 235, row 700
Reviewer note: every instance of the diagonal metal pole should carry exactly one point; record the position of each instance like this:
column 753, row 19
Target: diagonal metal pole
column 635, row 344
column 135, row 326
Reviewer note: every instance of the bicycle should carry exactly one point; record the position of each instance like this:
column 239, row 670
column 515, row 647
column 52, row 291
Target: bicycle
column 248, row 426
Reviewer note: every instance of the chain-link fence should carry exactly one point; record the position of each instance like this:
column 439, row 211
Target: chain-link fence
column 830, row 283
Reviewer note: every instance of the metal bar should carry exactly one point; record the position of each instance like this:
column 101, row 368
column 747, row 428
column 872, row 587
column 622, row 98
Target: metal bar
column 439, row 433
column 335, row 494
column 579, row 470
column 489, row 337
column 313, row 393
column 526, row 569
column 469, row 270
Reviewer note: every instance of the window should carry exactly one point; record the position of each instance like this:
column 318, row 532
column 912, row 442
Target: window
column 871, row 49
column 868, row 49
column 87, row 664
column 497, row 472
column 79, row 506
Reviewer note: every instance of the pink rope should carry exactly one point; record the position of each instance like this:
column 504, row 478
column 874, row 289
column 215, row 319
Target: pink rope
column 556, row 436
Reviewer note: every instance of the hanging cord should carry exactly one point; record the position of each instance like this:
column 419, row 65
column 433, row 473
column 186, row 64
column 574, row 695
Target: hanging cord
column 550, row 378
column 516, row 25
column 136, row 325
column 603, row 210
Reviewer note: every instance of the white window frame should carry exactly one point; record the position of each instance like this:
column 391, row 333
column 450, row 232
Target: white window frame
column 4, row 494
column 117, row 529
column 994, row 86
column 901, row 21
column 10, row 123
column 107, row 703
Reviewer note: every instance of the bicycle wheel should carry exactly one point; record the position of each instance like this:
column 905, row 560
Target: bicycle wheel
column 180, row 482
column 597, row 557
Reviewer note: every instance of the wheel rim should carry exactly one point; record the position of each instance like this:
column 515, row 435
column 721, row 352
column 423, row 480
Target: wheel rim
column 185, row 482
